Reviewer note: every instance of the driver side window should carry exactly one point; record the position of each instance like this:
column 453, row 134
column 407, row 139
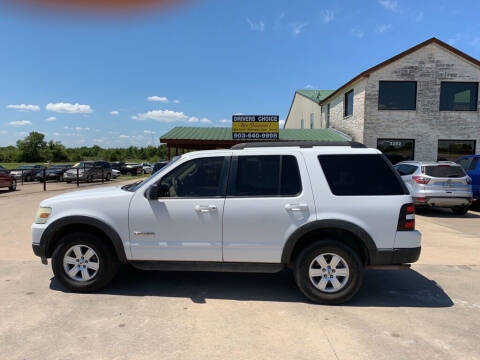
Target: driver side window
column 204, row 177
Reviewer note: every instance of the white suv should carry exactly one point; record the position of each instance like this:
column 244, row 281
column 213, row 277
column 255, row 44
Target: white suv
column 324, row 210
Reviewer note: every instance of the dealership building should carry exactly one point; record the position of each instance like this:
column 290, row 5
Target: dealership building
column 421, row 104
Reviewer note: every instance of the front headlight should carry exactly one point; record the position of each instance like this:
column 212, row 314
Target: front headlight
column 43, row 214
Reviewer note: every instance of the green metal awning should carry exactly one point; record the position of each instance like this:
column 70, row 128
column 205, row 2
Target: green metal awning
column 223, row 134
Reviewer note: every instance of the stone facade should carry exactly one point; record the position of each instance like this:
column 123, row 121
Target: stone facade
column 429, row 65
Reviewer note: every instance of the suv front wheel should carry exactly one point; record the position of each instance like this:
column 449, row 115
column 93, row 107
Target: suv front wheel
column 82, row 262
column 328, row 272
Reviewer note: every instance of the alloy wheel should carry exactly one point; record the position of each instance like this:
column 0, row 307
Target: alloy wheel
column 81, row 263
column 329, row 272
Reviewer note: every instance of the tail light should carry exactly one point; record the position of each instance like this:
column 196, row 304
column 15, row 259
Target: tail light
column 421, row 179
column 406, row 219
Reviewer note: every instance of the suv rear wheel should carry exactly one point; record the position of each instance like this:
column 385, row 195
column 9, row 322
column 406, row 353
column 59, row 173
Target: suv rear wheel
column 13, row 186
column 83, row 263
column 328, row 272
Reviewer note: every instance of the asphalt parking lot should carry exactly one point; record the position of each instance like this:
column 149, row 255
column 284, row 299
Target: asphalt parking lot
column 429, row 312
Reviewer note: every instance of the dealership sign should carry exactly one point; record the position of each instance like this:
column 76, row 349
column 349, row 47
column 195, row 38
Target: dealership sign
column 255, row 127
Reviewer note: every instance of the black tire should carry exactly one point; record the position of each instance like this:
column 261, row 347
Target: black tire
column 302, row 278
column 107, row 178
column 460, row 210
column 68, row 181
column 60, row 178
column 13, row 187
column 28, row 178
column 108, row 262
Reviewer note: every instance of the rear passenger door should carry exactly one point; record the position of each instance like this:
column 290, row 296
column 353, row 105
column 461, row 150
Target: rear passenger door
column 268, row 198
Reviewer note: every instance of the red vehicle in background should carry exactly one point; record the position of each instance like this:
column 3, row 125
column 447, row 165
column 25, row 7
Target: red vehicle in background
column 7, row 180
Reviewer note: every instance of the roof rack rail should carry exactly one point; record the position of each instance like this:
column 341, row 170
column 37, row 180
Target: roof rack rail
column 301, row 144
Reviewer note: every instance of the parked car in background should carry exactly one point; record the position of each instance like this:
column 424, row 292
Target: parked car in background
column 440, row 184
column 27, row 172
column 54, row 172
column 118, row 165
column 115, row 173
column 7, row 180
column 89, row 171
column 133, row 169
column 147, row 168
column 471, row 164
column 158, row 165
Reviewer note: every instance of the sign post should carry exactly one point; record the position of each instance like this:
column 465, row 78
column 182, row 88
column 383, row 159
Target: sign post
column 255, row 127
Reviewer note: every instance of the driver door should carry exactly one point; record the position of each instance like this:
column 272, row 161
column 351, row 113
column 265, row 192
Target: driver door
column 185, row 222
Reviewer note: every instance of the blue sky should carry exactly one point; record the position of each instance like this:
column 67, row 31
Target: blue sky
column 87, row 79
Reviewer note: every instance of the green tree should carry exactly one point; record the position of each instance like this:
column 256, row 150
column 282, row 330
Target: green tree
column 57, row 151
column 33, row 148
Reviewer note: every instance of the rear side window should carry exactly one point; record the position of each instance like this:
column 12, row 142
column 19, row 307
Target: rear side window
column 405, row 169
column 474, row 164
column 360, row 175
column 265, row 175
column 444, row 171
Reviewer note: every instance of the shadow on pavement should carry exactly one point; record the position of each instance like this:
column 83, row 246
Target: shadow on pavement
column 445, row 213
column 385, row 288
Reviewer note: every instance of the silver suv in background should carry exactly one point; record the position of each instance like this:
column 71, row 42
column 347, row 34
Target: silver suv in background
column 441, row 184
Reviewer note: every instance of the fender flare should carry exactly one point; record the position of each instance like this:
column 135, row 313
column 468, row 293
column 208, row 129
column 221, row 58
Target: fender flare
column 364, row 237
column 52, row 230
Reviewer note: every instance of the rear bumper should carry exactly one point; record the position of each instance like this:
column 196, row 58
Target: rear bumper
column 396, row 256
column 442, row 201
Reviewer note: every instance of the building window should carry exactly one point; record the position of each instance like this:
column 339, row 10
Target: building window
column 397, row 95
column 328, row 116
column 311, row 121
column 348, row 104
column 458, row 96
column 397, row 150
column 453, row 149
column 302, row 124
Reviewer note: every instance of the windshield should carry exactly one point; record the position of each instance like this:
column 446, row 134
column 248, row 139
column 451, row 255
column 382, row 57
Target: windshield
column 136, row 185
column 26, row 167
column 444, row 171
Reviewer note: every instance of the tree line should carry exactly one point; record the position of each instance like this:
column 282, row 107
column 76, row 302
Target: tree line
column 34, row 148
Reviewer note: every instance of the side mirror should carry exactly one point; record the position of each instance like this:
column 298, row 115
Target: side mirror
column 152, row 192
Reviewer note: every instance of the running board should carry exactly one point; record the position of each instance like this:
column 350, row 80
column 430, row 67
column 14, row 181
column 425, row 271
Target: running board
column 208, row 266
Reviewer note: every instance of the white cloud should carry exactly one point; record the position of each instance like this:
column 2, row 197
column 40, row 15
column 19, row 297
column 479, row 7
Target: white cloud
column 357, row 32
column 310, row 87
column 56, row 134
column 20, row 123
column 114, row 112
column 225, row 121
column 78, row 128
column 150, row 132
column 298, row 28
column 389, row 4
column 193, row 119
column 162, row 99
column 161, row 116
column 51, row 118
column 327, row 16
column 383, row 28
column 278, row 21
column 24, row 107
column 176, row 101
column 101, row 140
column 69, row 108
column 205, row 121
column 256, row 26
column 124, row 136
column 418, row 16
column 281, row 124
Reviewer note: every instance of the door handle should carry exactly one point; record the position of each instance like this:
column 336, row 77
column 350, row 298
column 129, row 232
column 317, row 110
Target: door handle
column 205, row 208
column 296, row 207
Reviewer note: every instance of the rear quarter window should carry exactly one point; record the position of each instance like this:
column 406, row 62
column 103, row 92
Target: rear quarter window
column 360, row 175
